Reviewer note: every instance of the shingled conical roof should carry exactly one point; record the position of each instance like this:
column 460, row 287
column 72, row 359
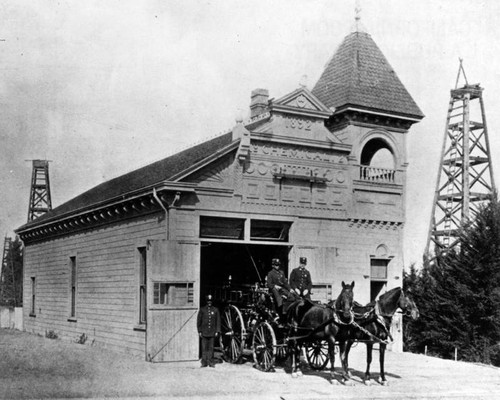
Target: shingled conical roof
column 359, row 75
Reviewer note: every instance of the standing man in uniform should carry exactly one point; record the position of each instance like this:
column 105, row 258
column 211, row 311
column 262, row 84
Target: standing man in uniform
column 300, row 280
column 208, row 328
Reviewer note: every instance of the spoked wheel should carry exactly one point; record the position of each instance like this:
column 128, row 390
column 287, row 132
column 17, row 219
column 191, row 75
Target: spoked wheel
column 282, row 351
column 232, row 334
column 264, row 347
column 317, row 354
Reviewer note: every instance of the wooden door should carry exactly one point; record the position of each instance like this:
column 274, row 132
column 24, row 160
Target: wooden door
column 321, row 263
column 172, row 289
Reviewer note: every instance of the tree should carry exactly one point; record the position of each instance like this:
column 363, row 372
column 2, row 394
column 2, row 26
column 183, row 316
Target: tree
column 459, row 295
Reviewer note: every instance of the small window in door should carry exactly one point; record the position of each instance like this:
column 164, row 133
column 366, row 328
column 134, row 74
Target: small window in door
column 173, row 294
column 321, row 292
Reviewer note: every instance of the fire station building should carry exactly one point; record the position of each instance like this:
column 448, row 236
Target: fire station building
column 315, row 173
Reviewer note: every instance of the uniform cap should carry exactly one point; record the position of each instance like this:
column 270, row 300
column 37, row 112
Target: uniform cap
column 209, row 297
column 303, row 260
column 276, row 261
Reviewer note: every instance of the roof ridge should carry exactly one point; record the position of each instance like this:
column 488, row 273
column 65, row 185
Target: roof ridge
column 171, row 153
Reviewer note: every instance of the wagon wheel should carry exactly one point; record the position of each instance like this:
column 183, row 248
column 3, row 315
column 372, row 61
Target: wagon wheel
column 317, row 354
column 282, row 352
column 264, row 347
column 233, row 334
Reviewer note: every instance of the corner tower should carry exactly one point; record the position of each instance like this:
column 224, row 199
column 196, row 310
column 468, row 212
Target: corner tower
column 372, row 112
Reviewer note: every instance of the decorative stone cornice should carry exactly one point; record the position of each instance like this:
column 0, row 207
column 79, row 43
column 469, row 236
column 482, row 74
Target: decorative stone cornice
column 345, row 117
column 374, row 224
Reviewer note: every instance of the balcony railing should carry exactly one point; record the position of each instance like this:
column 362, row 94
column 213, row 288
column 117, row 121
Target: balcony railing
column 379, row 175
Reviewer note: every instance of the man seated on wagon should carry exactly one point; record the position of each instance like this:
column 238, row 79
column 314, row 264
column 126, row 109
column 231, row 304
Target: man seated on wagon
column 280, row 288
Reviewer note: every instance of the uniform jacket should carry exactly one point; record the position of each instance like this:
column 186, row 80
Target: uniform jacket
column 277, row 277
column 300, row 278
column 208, row 321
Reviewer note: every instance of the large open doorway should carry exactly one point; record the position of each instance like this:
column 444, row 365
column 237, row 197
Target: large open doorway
column 228, row 269
column 237, row 264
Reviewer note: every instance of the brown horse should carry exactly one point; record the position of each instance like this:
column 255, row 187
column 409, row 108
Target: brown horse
column 318, row 322
column 373, row 324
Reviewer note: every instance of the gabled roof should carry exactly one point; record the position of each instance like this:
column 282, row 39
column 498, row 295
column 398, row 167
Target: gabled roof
column 358, row 74
column 301, row 101
column 141, row 178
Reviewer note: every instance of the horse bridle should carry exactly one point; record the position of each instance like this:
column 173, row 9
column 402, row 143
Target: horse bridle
column 406, row 311
column 336, row 317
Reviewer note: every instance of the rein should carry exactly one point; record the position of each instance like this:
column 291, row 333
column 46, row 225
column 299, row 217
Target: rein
column 375, row 338
column 379, row 317
column 335, row 319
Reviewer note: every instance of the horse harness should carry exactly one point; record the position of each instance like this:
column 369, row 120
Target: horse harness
column 379, row 319
column 335, row 318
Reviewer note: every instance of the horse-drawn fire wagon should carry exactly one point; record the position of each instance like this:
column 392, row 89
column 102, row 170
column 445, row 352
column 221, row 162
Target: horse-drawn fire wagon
column 250, row 326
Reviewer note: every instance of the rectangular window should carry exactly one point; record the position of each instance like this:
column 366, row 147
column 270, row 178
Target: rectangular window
column 173, row 294
column 378, row 268
column 142, row 285
column 222, row 228
column 321, row 292
column 276, row 231
column 33, row 297
column 72, row 267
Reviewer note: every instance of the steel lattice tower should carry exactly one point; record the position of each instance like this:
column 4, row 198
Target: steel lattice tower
column 7, row 278
column 40, row 200
column 465, row 177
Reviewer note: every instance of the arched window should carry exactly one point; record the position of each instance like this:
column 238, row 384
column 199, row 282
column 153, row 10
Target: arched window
column 377, row 161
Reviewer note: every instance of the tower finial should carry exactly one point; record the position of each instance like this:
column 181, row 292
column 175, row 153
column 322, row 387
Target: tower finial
column 461, row 70
column 358, row 26
column 357, row 12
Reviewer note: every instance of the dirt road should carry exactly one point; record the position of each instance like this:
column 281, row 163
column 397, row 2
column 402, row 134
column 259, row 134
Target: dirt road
column 36, row 367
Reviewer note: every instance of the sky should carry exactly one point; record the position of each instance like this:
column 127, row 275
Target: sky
column 102, row 88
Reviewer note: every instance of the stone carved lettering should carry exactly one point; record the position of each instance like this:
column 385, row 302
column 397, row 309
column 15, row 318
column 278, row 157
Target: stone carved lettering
column 265, row 168
column 300, row 154
column 298, row 123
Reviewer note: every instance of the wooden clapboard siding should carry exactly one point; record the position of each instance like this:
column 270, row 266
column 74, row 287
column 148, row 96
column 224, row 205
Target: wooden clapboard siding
column 107, row 284
column 340, row 250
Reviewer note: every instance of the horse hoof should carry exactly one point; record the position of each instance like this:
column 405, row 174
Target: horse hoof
column 334, row 381
column 294, row 375
column 347, row 382
column 383, row 383
column 368, row 382
column 299, row 373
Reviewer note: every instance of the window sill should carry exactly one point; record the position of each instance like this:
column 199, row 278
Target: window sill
column 140, row 328
column 157, row 307
column 71, row 319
